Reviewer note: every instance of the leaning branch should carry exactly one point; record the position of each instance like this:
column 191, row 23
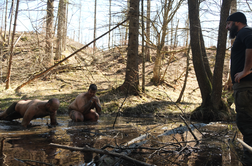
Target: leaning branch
column 47, row 70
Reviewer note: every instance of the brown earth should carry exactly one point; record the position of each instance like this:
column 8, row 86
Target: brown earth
column 106, row 68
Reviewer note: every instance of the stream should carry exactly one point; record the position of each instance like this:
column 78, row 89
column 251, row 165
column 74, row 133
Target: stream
column 21, row 147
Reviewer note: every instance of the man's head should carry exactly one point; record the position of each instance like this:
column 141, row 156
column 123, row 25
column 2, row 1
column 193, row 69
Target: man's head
column 235, row 22
column 52, row 105
column 92, row 90
column 237, row 17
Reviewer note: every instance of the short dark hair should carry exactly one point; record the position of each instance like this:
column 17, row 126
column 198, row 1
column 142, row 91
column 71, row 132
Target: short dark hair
column 93, row 87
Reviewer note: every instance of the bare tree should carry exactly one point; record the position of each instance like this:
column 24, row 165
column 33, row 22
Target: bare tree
column 12, row 6
column 169, row 9
column 49, row 34
column 131, row 82
column 147, row 49
column 109, row 23
column 228, row 85
column 60, row 29
column 220, row 56
column 79, row 30
column 95, row 5
column 5, row 20
column 143, row 53
column 212, row 107
column 12, row 47
column 65, row 12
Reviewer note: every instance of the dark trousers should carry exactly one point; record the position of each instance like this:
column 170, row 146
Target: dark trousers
column 243, row 104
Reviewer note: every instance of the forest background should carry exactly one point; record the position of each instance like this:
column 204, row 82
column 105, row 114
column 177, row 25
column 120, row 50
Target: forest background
column 49, row 49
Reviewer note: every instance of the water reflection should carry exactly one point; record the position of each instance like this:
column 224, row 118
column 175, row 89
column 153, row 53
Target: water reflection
column 82, row 138
column 23, row 147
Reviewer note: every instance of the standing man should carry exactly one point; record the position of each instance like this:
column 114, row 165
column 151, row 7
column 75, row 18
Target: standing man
column 241, row 74
column 32, row 109
column 82, row 108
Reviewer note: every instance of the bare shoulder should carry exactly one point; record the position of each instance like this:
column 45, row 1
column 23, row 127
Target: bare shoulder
column 82, row 95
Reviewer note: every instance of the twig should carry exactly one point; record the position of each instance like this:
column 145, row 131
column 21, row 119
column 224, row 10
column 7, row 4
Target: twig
column 18, row 39
column 121, row 106
column 89, row 149
column 189, row 128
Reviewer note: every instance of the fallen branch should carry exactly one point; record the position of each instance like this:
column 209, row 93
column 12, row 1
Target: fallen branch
column 50, row 68
column 182, row 129
column 89, row 149
column 245, row 145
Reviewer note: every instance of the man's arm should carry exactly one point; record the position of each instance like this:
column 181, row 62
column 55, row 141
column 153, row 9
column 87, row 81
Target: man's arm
column 53, row 118
column 87, row 107
column 247, row 66
column 98, row 105
column 29, row 113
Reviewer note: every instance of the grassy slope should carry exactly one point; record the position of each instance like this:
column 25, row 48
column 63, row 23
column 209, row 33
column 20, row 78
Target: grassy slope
column 107, row 70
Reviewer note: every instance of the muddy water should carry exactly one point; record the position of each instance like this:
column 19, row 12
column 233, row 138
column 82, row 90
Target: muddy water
column 31, row 146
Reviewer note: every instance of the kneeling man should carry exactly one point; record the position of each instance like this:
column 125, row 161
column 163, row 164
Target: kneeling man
column 32, row 109
column 82, row 108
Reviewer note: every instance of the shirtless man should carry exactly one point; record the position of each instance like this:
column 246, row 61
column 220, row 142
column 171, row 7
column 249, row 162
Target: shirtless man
column 82, row 108
column 32, row 109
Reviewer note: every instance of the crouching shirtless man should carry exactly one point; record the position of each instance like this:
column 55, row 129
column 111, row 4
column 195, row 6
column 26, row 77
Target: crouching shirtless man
column 82, row 108
column 32, row 109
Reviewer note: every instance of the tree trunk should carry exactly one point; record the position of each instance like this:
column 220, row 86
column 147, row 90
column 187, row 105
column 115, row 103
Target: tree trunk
column 12, row 6
column 186, row 74
column 147, row 49
column 5, row 24
column 228, row 85
column 59, row 31
column 220, row 56
column 143, row 53
column 205, row 59
column 131, row 82
column 212, row 107
column 79, row 30
column 109, row 24
column 195, row 35
column 12, row 47
column 94, row 24
column 49, row 37
column 64, row 22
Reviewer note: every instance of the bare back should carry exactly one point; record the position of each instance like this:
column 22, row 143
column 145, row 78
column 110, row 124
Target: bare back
column 31, row 107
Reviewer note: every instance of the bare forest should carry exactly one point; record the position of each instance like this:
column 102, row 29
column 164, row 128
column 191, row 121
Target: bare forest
column 148, row 58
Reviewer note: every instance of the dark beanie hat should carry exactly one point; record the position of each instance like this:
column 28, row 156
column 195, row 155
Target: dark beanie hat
column 237, row 17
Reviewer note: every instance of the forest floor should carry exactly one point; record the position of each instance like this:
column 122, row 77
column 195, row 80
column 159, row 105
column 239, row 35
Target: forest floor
column 105, row 68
